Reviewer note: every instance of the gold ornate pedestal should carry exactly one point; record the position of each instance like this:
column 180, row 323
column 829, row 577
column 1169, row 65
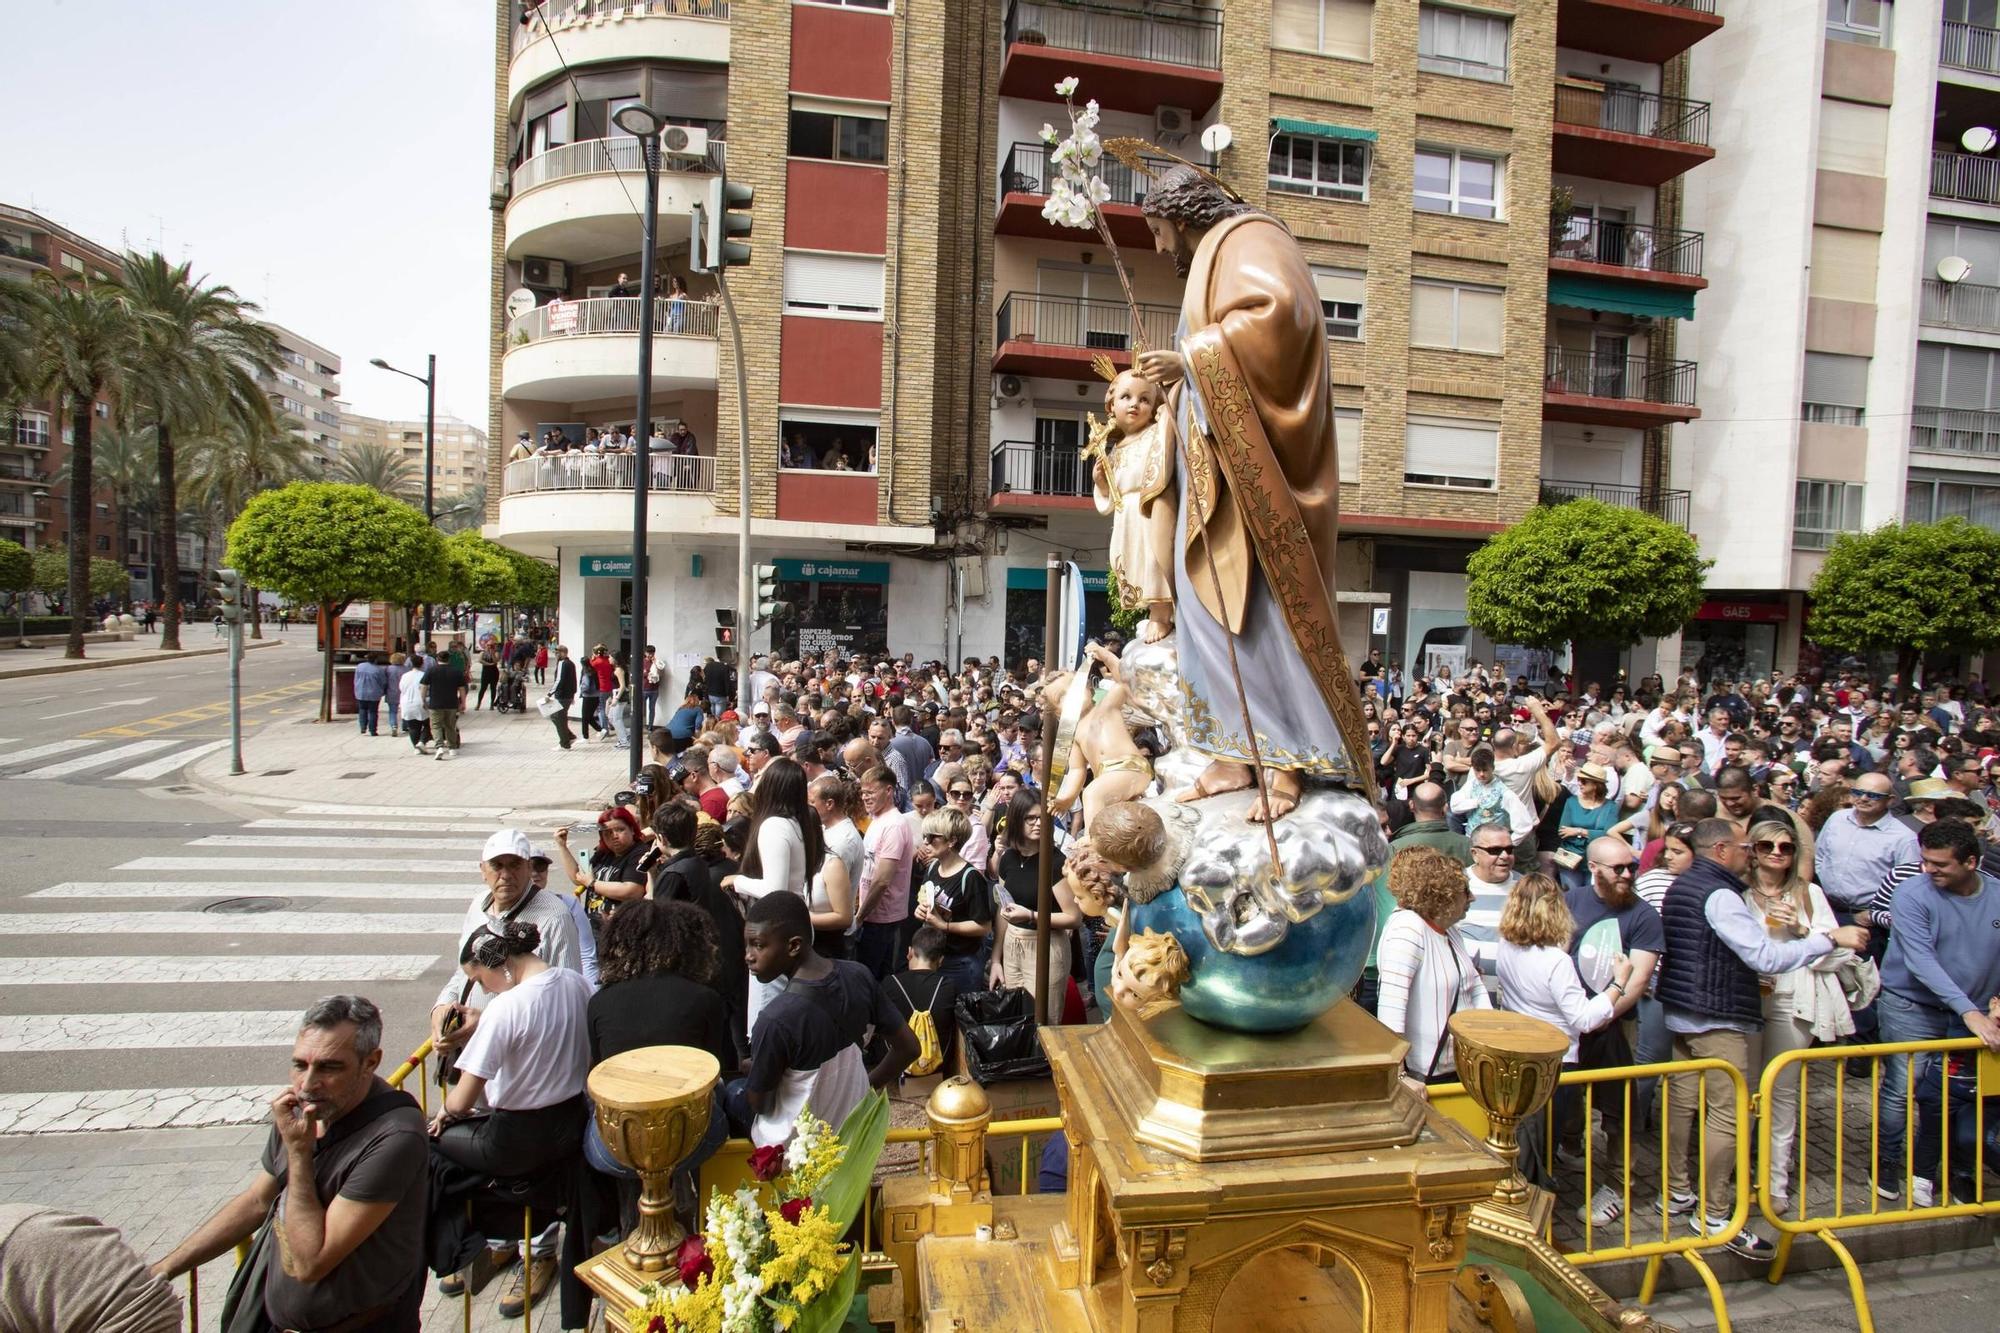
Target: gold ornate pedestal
column 652, row 1109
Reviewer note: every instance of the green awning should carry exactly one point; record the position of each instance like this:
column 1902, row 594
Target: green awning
column 1315, row 129
column 1626, row 298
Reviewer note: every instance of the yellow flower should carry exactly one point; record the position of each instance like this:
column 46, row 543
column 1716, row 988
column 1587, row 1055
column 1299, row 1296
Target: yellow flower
column 808, row 1257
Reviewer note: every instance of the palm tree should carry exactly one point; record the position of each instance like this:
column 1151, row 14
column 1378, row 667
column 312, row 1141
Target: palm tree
column 465, row 510
column 378, row 467
column 199, row 360
column 122, row 463
column 221, row 470
column 83, row 347
column 19, row 307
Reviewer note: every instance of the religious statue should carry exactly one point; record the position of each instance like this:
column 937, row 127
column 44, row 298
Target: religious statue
column 1130, row 480
column 1103, row 749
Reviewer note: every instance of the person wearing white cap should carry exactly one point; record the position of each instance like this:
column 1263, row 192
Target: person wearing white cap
column 507, row 865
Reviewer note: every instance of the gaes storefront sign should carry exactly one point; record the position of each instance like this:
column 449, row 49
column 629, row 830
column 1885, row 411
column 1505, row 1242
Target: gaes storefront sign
column 604, row 566
column 833, row 571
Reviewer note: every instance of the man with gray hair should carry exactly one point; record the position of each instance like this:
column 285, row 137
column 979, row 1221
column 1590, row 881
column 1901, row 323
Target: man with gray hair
column 337, row 1205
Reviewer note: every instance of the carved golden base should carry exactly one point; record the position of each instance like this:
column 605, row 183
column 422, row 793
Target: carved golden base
column 617, row 1283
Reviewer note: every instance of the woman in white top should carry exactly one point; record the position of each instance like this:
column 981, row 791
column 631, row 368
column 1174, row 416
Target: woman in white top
column 1804, row 1005
column 1538, row 978
column 1426, row 972
column 836, row 800
column 785, row 843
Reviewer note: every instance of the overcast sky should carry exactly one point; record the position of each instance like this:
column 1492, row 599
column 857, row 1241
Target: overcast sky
column 329, row 161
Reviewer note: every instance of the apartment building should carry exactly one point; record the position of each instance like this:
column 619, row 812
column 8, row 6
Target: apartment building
column 304, row 389
column 841, row 118
column 459, row 451
column 1852, row 341
column 1488, row 196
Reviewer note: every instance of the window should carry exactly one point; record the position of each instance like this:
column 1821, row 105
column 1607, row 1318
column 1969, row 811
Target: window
column 1455, row 41
column 1853, row 137
column 1444, row 451
column 1844, row 264
column 1836, row 389
column 72, row 263
column 1862, row 21
column 1822, row 510
column 826, row 441
column 1340, row 296
column 32, row 428
column 102, row 542
column 1330, row 27
column 1455, row 315
column 833, row 284
column 1927, row 499
column 544, row 133
column 1347, row 442
column 1449, row 181
column 847, row 135
column 1327, row 168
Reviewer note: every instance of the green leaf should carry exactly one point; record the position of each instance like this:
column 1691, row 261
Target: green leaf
column 830, row 1310
column 1912, row 587
column 1584, row 571
column 864, row 1132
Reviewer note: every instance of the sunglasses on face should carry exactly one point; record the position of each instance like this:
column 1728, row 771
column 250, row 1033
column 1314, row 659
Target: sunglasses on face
column 1870, row 796
column 1766, row 847
column 1494, row 851
column 961, row 793
column 1625, row 871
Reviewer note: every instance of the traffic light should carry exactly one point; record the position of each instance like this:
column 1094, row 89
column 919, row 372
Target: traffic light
column 768, row 605
column 228, row 590
column 697, row 237
column 725, row 636
column 727, row 213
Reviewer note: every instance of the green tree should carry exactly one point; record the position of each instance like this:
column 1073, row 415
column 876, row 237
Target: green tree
column 1584, row 571
column 17, row 576
column 536, row 583
column 1910, row 588
column 466, row 510
column 20, row 313
column 108, row 578
column 480, row 572
column 51, row 576
column 123, row 464
column 331, row 545
column 223, row 467
column 380, row 469
column 84, row 344
column 200, row 352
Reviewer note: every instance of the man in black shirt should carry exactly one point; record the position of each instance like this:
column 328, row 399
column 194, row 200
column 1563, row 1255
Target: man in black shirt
column 444, row 699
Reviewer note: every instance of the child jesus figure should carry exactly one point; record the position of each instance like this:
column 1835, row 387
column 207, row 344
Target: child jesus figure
column 1133, row 481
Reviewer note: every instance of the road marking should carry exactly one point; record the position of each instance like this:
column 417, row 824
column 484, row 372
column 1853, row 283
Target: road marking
column 147, row 726
column 132, row 1108
column 154, row 970
column 331, row 924
column 378, row 826
column 159, row 768
column 316, row 864
column 336, row 840
column 201, row 888
column 44, row 751
column 98, row 708
column 72, row 766
column 148, row 1032
column 390, row 811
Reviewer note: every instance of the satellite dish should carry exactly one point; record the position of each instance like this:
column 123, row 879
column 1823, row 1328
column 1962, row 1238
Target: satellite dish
column 1217, row 137
column 1979, row 139
column 1953, row 268
column 519, row 302
column 1597, row 954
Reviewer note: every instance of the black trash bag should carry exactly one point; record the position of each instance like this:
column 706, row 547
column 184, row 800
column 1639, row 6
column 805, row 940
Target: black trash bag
column 997, row 1028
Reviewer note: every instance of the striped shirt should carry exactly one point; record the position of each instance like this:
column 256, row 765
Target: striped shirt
column 1425, row 976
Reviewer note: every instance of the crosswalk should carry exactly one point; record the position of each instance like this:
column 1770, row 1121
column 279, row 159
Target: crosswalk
column 165, row 991
column 104, row 758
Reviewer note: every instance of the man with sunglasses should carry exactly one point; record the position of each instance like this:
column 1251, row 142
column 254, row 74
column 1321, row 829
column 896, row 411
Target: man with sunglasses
column 1858, row 847
column 1491, row 877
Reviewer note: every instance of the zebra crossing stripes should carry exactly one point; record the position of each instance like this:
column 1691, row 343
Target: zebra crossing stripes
column 318, row 865
column 320, row 841
column 159, row 768
column 84, row 763
column 207, row 969
column 98, row 890
column 169, row 755
column 331, row 924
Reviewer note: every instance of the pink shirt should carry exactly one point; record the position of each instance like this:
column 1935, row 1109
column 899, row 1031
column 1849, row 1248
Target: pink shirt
column 889, row 839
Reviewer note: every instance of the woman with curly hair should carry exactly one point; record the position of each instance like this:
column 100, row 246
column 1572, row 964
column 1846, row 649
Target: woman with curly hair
column 1426, row 972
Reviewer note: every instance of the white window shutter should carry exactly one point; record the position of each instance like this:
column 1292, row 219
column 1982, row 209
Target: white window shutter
column 846, row 283
column 1466, row 450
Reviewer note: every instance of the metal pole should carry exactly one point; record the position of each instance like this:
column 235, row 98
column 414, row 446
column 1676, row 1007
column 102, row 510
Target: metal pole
column 430, row 470
column 642, row 433
column 745, row 598
column 1045, row 853
column 236, row 697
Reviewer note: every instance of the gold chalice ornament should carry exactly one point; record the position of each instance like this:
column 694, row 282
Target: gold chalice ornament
column 1509, row 1064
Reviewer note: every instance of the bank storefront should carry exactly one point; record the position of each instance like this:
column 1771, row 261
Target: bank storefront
column 835, row 605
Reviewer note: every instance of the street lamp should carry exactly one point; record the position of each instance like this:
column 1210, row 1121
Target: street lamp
column 429, row 381
column 644, row 124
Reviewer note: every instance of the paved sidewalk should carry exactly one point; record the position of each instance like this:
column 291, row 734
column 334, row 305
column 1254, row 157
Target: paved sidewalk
column 507, row 761
column 196, row 642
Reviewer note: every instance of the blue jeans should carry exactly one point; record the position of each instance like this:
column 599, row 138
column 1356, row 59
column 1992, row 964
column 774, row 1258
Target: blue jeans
column 964, row 971
column 1904, row 1020
column 1655, row 1046
column 875, row 948
column 366, row 714
column 736, row 1109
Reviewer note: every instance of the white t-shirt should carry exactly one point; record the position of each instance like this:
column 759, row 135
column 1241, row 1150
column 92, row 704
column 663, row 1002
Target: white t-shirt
column 532, row 1045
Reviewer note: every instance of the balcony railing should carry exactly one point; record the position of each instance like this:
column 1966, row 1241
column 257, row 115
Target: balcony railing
column 1669, row 505
column 1627, row 111
column 1071, row 321
column 578, row 471
column 1170, row 34
column 1975, row 180
column 1627, row 245
column 556, row 13
column 1955, row 430
column 1027, row 171
column 1633, row 378
column 12, row 250
column 680, row 318
column 1962, row 305
column 1969, row 46
column 19, row 469
column 1035, row 467
column 592, row 157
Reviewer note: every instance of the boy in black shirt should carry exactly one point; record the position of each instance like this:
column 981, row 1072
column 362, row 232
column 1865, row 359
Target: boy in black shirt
column 921, row 988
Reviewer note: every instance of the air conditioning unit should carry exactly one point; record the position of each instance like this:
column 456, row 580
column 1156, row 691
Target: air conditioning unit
column 548, row 274
column 1010, row 386
column 1171, row 121
column 684, row 141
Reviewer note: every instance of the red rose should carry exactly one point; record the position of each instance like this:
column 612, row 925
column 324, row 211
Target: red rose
column 768, row 1162
column 658, row 1324
column 793, row 1209
column 693, row 1262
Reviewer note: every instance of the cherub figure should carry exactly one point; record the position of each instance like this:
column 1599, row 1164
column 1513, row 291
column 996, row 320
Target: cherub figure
column 1150, row 971
column 1133, row 481
column 1130, row 843
column 1104, row 751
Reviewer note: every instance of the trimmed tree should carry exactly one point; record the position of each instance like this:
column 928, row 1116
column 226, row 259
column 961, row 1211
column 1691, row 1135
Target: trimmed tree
column 332, row 545
column 1909, row 589
column 536, row 583
column 1584, row 571
column 17, row 576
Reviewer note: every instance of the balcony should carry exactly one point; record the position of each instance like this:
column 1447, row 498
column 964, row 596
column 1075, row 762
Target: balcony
column 1603, row 248
column 24, row 255
column 1616, row 134
column 1669, row 505
column 1036, row 476
column 1649, row 31
column 20, row 472
column 1961, row 176
column 1597, row 390
column 559, row 500
column 577, row 471
column 1961, row 305
column 590, row 32
column 1128, row 59
column 1025, row 175
column 1969, row 47
column 1955, row 430
column 580, row 351
column 1058, row 335
column 576, row 202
